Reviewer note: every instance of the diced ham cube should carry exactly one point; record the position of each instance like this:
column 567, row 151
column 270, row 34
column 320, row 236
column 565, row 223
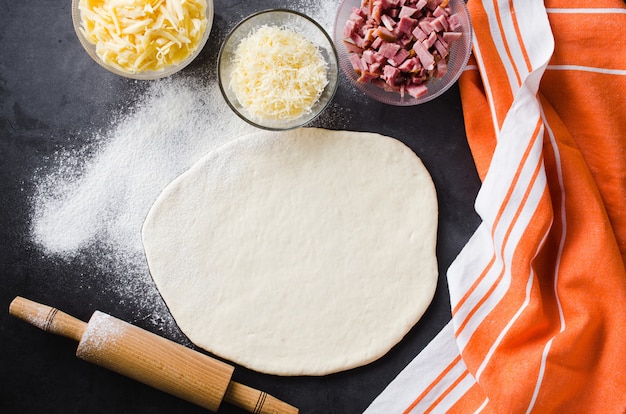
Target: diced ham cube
column 442, row 50
column 454, row 22
column 378, row 57
column 440, row 23
column 416, row 90
column 427, row 60
column 365, row 65
column 357, row 40
column 442, row 68
column 407, row 11
column 375, row 67
column 406, row 25
column 367, row 77
column 389, row 4
column 440, row 12
column 390, row 74
column 410, row 65
column 420, row 4
column 356, row 17
column 387, row 21
column 430, row 41
column 352, row 48
column 419, row 34
column 376, row 43
column 399, row 57
column 436, row 24
column 442, row 41
column 450, row 37
column 349, row 28
column 377, row 12
column 388, row 50
column 357, row 65
column 385, row 34
column 368, row 56
column 424, row 24
column 406, row 41
column 406, row 65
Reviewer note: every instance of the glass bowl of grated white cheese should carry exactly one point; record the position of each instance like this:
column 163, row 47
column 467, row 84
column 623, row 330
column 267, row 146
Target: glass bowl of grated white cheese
column 143, row 39
column 278, row 69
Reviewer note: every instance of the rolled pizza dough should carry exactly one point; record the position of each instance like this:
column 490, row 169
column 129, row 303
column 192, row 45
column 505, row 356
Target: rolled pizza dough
column 304, row 252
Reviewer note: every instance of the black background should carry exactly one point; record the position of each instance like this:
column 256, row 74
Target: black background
column 50, row 91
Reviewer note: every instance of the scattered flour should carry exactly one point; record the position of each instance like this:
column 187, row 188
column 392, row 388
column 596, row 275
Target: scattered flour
column 175, row 123
column 94, row 203
column 322, row 11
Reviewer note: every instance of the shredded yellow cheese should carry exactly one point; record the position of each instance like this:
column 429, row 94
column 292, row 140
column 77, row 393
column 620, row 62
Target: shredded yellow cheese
column 143, row 35
column 278, row 74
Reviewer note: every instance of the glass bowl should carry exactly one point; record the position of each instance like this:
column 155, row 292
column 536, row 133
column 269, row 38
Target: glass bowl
column 296, row 22
column 147, row 74
column 460, row 51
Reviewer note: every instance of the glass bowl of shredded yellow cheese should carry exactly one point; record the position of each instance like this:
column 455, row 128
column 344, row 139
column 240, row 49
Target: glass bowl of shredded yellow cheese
column 278, row 69
column 143, row 39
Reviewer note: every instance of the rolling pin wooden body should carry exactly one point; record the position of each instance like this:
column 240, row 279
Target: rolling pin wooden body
column 149, row 358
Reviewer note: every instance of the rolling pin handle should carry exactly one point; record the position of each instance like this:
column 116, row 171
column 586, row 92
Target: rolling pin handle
column 47, row 318
column 255, row 401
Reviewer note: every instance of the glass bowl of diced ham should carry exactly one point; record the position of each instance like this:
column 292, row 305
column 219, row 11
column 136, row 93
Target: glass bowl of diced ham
column 403, row 52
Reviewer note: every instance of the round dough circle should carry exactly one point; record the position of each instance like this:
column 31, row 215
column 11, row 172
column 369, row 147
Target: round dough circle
column 303, row 252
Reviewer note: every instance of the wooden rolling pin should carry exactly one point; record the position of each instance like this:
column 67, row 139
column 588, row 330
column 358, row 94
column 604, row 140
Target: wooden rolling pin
column 151, row 359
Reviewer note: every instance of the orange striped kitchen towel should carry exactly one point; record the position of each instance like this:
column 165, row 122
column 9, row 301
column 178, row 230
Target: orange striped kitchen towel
column 538, row 294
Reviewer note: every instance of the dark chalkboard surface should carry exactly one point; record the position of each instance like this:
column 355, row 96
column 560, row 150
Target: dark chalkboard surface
column 55, row 99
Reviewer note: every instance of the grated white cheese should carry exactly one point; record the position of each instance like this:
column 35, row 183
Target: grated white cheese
column 278, row 74
column 143, row 35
